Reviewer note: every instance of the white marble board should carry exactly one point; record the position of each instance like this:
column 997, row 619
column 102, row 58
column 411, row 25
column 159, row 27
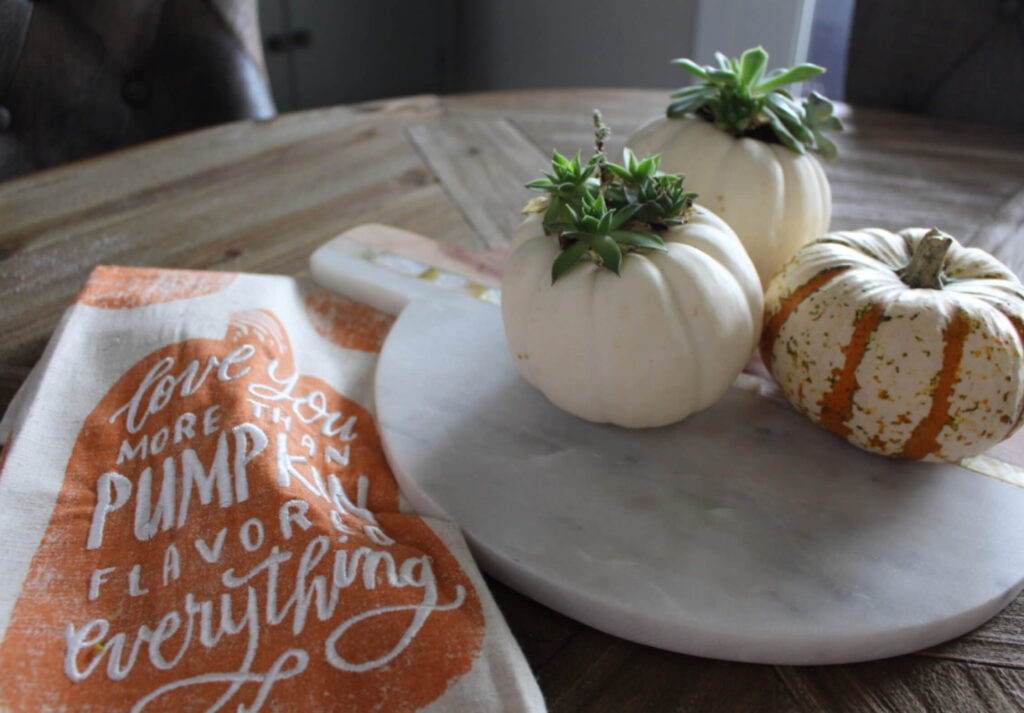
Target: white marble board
column 744, row 532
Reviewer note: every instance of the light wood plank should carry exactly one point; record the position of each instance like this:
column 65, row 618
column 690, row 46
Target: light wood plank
column 116, row 181
column 562, row 120
column 894, row 173
column 1003, row 235
column 621, row 107
column 483, row 164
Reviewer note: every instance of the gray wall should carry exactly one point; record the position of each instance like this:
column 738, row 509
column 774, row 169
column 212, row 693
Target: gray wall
column 505, row 44
column 367, row 49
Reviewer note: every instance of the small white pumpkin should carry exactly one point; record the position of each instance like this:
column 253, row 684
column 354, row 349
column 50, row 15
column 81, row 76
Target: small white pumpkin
column 897, row 345
column 775, row 199
column 744, row 145
column 664, row 338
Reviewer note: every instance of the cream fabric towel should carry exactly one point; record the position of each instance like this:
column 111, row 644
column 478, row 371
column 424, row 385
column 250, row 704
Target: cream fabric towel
column 197, row 515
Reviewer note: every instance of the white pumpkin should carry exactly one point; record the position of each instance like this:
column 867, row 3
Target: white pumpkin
column 898, row 346
column 647, row 347
column 775, row 199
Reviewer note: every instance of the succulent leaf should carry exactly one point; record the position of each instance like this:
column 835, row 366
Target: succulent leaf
column 818, row 111
column 783, row 134
column 826, row 148
column 604, row 210
column 567, row 259
column 609, row 253
column 752, row 65
column 740, row 97
column 688, row 105
column 693, row 90
column 691, row 67
column 623, row 214
column 793, row 75
column 639, row 240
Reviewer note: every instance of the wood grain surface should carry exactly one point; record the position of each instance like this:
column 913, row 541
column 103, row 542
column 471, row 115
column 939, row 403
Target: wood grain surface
column 260, row 196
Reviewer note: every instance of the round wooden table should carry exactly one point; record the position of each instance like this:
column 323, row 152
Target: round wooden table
column 261, row 196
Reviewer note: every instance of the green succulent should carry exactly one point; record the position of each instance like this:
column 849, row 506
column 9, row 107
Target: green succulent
column 818, row 118
column 602, row 210
column 738, row 96
column 600, row 231
column 659, row 198
column 566, row 184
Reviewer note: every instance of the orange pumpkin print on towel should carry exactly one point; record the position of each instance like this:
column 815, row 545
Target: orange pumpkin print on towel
column 227, row 538
column 347, row 323
column 113, row 287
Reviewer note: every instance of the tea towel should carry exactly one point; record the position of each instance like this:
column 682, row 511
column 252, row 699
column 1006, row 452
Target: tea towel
column 197, row 515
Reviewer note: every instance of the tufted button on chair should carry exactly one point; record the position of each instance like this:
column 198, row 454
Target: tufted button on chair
column 951, row 58
column 80, row 77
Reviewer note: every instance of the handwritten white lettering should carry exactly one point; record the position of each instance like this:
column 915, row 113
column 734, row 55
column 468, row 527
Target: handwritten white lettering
column 211, row 554
column 313, row 589
column 286, row 588
column 227, row 476
column 135, row 588
column 172, row 564
column 252, row 535
column 159, row 385
column 112, row 492
column 99, row 576
column 309, row 407
column 293, row 511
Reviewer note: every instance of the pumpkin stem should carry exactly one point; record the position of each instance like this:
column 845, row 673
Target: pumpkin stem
column 601, row 133
column 925, row 267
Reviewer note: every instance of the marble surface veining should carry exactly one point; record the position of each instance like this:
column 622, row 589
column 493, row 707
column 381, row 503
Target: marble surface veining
column 744, row 532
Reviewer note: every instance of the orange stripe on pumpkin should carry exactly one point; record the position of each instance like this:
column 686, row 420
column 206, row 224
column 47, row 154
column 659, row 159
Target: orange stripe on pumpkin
column 923, row 440
column 837, row 404
column 774, row 323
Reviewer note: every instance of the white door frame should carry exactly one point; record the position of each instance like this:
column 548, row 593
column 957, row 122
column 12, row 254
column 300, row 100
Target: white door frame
column 782, row 27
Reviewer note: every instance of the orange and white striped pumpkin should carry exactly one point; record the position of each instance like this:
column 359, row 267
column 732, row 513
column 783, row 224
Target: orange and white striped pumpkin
column 906, row 344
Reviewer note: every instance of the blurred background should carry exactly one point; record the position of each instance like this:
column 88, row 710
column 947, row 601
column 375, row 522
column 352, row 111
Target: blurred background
column 80, row 77
column 323, row 52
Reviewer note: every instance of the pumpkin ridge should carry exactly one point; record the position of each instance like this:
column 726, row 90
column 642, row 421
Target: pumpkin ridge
column 682, row 330
column 524, row 346
column 777, row 233
column 597, row 355
column 836, row 406
column 1018, row 327
column 923, row 440
column 794, row 174
column 775, row 322
column 824, row 190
